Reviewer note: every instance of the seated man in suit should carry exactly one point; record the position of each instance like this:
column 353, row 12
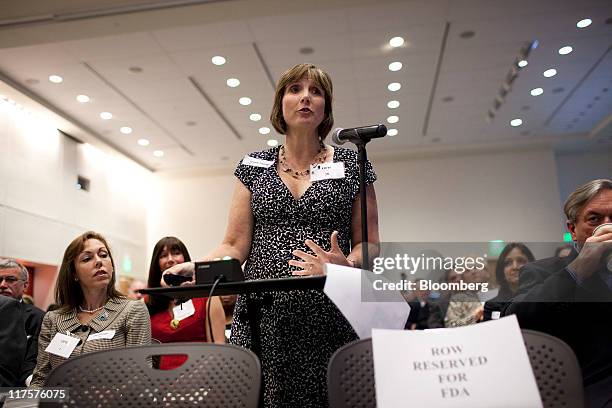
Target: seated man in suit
column 14, row 280
column 12, row 342
column 571, row 297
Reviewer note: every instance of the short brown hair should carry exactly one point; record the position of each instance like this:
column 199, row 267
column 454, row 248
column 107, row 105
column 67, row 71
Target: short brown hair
column 295, row 74
column 68, row 292
column 582, row 195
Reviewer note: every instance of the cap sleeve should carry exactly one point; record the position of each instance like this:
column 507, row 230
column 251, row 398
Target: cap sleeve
column 248, row 174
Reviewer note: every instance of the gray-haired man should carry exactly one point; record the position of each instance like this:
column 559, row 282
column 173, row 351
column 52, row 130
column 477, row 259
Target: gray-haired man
column 13, row 282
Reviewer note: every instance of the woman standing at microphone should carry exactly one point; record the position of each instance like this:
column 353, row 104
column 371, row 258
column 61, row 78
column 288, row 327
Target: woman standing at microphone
column 288, row 217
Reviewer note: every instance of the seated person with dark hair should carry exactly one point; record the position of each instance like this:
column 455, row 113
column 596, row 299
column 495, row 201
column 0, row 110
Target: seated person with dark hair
column 571, row 297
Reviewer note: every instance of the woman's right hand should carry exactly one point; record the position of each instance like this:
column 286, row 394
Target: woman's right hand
column 184, row 269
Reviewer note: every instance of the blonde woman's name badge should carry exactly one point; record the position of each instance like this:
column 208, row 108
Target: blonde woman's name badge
column 325, row 171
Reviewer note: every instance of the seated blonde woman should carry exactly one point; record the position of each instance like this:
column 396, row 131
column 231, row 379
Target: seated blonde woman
column 92, row 314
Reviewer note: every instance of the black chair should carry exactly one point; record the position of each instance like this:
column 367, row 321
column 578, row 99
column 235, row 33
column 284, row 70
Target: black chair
column 214, row 375
column 350, row 375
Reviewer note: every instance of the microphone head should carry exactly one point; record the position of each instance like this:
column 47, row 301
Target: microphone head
column 336, row 136
column 381, row 130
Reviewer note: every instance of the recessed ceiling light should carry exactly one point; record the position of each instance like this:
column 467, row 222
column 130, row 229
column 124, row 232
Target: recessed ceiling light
column 218, row 60
column 233, row 82
column 264, row 130
column 392, row 132
column 56, row 79
column 143, row 142
column 393, row 119
column 396, row 42
column 565, row 50
column 522, row 63
column 158, row 153
column 395, row 66
column 584, row 23
column 516, row 122
column 255, row 117
column 106, row 115
column 537, row 91
column 272, row 142
column 393, row 104
column 126, row 130
column 394, row 86
column 245, row 100
column 550, row 73
column 82, row 98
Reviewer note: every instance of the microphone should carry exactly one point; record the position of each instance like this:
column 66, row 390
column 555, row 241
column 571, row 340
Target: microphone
column 359, row 134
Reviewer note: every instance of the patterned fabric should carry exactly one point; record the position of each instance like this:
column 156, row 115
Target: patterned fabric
column 129, row 319
column 299, row 330
column 192, row 328
column 462, row 309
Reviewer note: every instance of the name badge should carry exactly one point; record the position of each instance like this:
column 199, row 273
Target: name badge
column 252, row 161
column 62, row 345
column 326, row 171
column 184, row 310
column 106, row 334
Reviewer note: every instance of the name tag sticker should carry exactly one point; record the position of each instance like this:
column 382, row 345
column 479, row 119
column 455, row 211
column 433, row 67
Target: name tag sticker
column 184, row 310
column 252, row 161
column 326, row 171
column 62, row 345
column 106, row 334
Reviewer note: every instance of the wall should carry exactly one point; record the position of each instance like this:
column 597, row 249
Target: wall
column 41, row 210
column 456, row 197
column 575, row 169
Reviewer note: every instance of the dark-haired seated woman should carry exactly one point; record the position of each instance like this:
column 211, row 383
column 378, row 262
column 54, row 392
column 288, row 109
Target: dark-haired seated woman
column 172, row 322
column 512, row 258
column 92, row 315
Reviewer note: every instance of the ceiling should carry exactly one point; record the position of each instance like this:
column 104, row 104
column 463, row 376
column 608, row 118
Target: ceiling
column 179, row 100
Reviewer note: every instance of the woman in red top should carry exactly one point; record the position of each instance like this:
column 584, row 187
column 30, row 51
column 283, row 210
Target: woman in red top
column 171, row 323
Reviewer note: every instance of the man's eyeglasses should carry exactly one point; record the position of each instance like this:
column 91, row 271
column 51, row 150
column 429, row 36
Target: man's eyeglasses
column 9, row 279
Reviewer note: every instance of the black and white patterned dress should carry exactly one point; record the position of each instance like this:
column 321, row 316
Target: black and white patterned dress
column 299, row 330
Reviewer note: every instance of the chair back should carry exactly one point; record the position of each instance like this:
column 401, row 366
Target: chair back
column 556, row 370
column 350, row 375
column 214, row 375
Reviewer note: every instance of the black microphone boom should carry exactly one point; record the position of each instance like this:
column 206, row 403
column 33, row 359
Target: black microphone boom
column 359, row 134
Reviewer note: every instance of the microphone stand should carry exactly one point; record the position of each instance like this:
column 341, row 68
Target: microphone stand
column 362, row 157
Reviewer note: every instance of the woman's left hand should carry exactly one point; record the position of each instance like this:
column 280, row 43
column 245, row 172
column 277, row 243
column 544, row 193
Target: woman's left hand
column 312, row 265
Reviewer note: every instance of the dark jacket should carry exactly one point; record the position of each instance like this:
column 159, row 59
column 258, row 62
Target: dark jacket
column 550, row 300
column 12, row 341
column 33, row 318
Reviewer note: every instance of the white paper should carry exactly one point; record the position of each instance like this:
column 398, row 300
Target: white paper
column 253, row 161
column 106, row 334
column 343, row 287
column 324, row 171
column 62, row 345
column 479, row 366
column 184, row 310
